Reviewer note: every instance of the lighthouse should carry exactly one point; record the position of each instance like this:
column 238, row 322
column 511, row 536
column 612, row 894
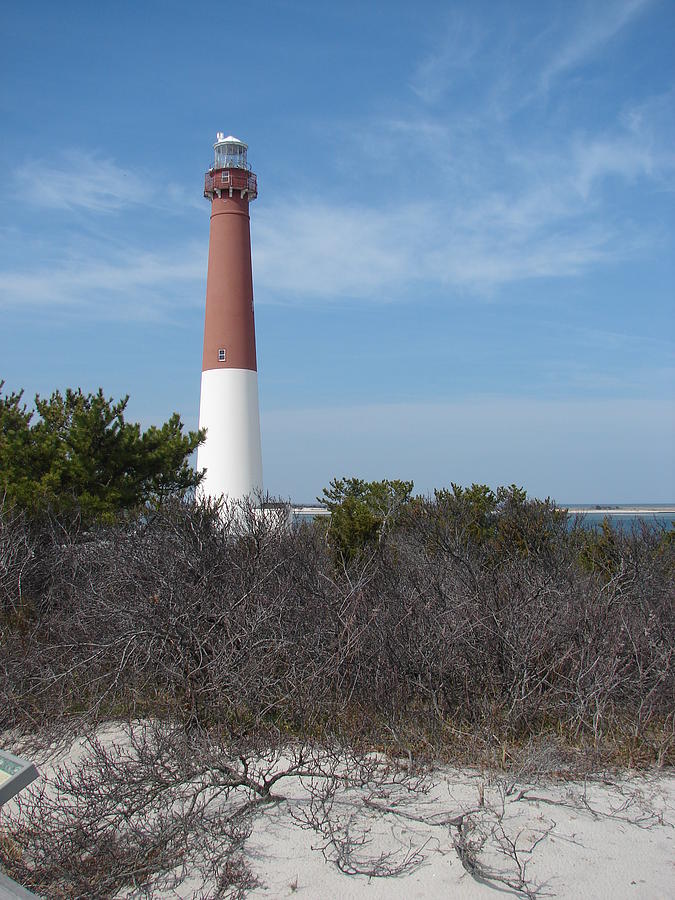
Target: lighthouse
column 228, row 407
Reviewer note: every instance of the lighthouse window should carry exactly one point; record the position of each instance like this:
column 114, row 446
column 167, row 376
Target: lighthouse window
column 221, row 356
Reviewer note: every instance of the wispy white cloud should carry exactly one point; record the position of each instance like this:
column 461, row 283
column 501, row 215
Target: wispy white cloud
column 78, row 180
column 87, row 181
column 493, row 63
column 538, row 214
column 600, row 158
column 318, row 250
column 477, row 206
column 460, row 44
column 130, row 283
column 640, row 146
column 311, row 251
column 591, row 31
column 453, row 201
column 567, row 180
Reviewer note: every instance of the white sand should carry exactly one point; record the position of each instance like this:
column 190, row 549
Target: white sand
column 613, row 839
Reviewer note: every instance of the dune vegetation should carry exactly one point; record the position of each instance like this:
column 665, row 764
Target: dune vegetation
column 233, row 650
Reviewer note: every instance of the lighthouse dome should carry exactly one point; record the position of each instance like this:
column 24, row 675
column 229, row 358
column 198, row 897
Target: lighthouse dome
column 230, row 152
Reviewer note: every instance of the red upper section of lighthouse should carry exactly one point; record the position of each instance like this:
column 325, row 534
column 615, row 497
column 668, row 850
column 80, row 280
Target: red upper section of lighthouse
column 219, row 181
column 230, row 171
column 229, row 326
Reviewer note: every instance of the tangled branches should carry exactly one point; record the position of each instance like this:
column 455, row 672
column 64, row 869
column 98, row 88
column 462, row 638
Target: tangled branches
column 242, row 653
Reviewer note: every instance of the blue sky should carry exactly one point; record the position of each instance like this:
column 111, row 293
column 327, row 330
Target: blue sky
column 462, row 247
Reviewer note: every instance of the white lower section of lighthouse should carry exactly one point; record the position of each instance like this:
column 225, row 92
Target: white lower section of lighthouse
column 231, row 453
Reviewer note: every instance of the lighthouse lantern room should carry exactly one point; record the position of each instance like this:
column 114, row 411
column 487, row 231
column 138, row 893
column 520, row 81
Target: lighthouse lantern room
column 230, row 171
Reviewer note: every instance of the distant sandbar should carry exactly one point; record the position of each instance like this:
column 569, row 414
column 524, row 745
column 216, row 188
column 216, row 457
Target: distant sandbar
column 622, row 510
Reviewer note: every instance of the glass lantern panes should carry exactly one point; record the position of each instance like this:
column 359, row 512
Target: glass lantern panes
column 230, row 155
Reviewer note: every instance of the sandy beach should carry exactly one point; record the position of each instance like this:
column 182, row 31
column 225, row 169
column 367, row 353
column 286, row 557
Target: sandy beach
column 603, row 838
column 452, row 832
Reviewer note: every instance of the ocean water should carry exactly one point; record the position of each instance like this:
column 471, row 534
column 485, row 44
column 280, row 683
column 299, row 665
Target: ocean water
column 620, row 517
column 624, row 519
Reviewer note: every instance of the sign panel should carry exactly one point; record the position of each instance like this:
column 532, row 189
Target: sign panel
column 15, row 774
